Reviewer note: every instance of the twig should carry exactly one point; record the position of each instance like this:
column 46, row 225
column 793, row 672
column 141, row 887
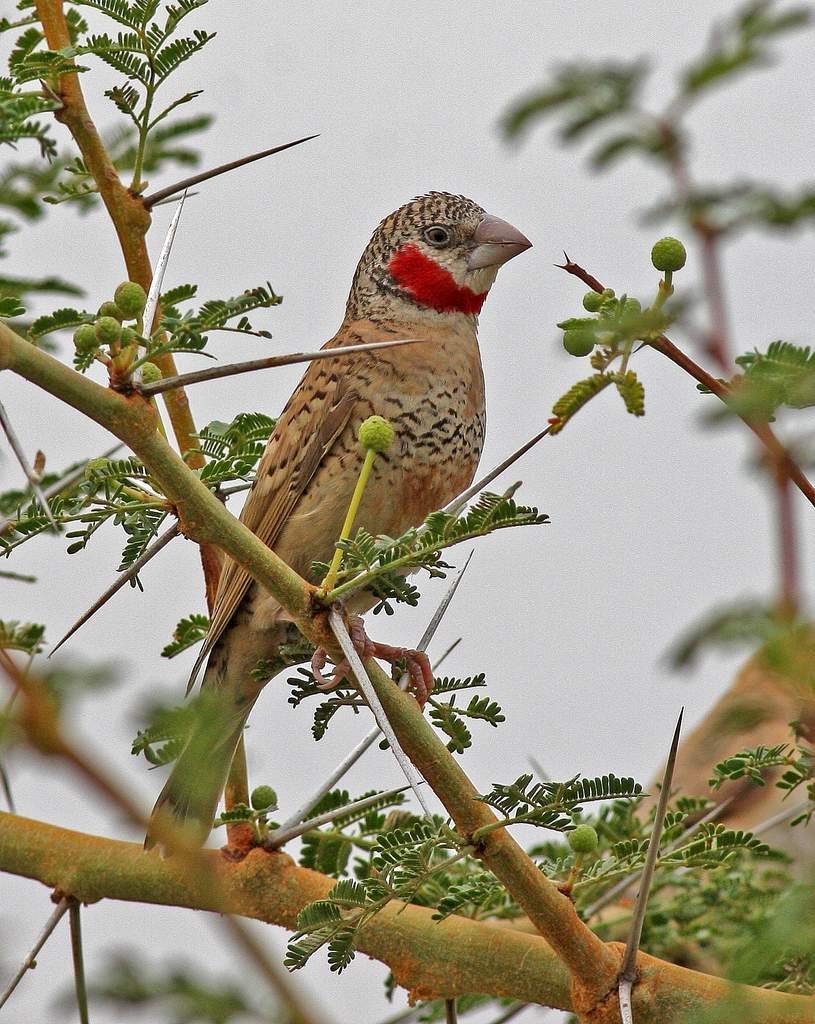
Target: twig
column 4, row 782
column 31, row 960
column 788, row 596
column 628, row 970
column 780, row 818
column 777, row 452
column 79, row 963
column 149, row 552
column 281, row 836
column 230, row 369
column 279, row 980
column 196, row 179
column 450, row 1014
column 351, row 758
column 31, row 476
column 344, row 640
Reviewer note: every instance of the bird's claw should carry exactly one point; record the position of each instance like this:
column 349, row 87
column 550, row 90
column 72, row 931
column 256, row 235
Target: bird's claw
column 417, row 664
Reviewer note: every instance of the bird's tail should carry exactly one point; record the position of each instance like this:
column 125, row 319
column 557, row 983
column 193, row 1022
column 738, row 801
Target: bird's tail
column 190, row 796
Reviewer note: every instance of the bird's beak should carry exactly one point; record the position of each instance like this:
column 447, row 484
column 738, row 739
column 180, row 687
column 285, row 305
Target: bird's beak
column 495, row 243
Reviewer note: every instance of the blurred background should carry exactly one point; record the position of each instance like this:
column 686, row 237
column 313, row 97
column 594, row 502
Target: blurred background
column 654, row 521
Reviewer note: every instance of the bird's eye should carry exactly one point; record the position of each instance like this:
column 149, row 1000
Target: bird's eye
column 437, row 236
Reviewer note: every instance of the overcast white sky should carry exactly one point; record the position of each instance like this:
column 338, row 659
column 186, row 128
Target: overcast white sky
column 654, row 521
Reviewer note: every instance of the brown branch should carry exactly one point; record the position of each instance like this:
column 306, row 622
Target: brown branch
column 195, row 179
column 130, row 218
column 776, row 451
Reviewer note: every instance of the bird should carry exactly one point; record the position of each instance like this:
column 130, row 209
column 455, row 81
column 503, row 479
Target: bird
column 424, row 274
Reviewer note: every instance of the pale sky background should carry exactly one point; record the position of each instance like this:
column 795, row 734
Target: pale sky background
column 654, row 521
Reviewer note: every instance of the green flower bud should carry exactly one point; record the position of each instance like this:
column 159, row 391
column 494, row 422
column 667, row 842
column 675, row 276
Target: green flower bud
column 376, row 434
column 632, row 306
column 263, row 797
column 129, row 336
column 85, row 339
column 578, row 342
column 592, row 301
column 108, row 330
column 583, row 839
column 608, row 293
column 668, row 254
column 111, row 309
column 150, row 373
column 131, row 298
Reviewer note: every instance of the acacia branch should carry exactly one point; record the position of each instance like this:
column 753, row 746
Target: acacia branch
column 431, row 959
column 131, row 221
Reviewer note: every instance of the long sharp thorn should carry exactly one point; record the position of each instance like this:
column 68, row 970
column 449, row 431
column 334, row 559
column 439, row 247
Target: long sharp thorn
column 250, row 365
column 196, row 179
column 31, row 476
column 154, row 293
column 31, row 959
column 539, row 770
column 780, row 818
column 628, row 972
column 283, row 835
column 365, row 684
column 368, row 741
column 79, row 963
column 446, row 653
column 458, row 503
column 149, row 552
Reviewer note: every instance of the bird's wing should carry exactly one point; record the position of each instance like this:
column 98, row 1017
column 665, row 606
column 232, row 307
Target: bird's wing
column 314, row 417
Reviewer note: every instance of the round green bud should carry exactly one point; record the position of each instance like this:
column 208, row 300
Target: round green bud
column 632, row 306
column 108, row 330
column 94, row 465
column 583, row 839
column 129, row 336
column 131, row 298
column 578, row 342
column 111, row 309
column 263, row 797
column 85, row 339
column 608, row 293
column 592, row 301
column 150, row 373
column 668, row 254
column 376, row 434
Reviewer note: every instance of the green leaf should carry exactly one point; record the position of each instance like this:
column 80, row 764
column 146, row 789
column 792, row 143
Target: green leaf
column 28, row 637
column 189, row 632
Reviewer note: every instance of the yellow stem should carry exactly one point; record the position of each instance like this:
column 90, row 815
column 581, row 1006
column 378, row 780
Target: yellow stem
column 353, row 508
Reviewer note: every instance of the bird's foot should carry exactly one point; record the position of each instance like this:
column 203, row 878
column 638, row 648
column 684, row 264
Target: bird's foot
column 416, row 663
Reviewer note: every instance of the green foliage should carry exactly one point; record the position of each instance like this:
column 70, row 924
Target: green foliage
column 175, row 994
column 28, row 637
column 169, row 728
column 189, row 632
column 378, row 563
column 784, row 375
column 233, row 449
column 187, row 332
column 553, row 805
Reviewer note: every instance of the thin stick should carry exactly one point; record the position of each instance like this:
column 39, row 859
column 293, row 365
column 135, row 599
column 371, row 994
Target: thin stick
column 31, row 960
column 79, row 963
column 282, row 835
column 153, row 296
column 149, row 552
column 450, row 1015
column 196, row 179
column 365, row 684
column 458, row 503
column 351, row 759
column 4, row 782
column 31, row 476
column 250, row 365
column 780, row 818
column 628, row 972
column 279, row 980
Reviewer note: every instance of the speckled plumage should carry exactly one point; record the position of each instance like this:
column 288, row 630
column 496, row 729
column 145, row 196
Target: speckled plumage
column 433, row 394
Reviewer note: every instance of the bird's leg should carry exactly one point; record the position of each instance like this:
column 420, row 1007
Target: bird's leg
column 417, row 664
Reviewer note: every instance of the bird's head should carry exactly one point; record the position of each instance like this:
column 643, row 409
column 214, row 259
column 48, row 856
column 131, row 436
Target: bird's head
column 438, row 254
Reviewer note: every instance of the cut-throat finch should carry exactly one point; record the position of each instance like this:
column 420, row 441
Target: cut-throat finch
column 424, row 274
